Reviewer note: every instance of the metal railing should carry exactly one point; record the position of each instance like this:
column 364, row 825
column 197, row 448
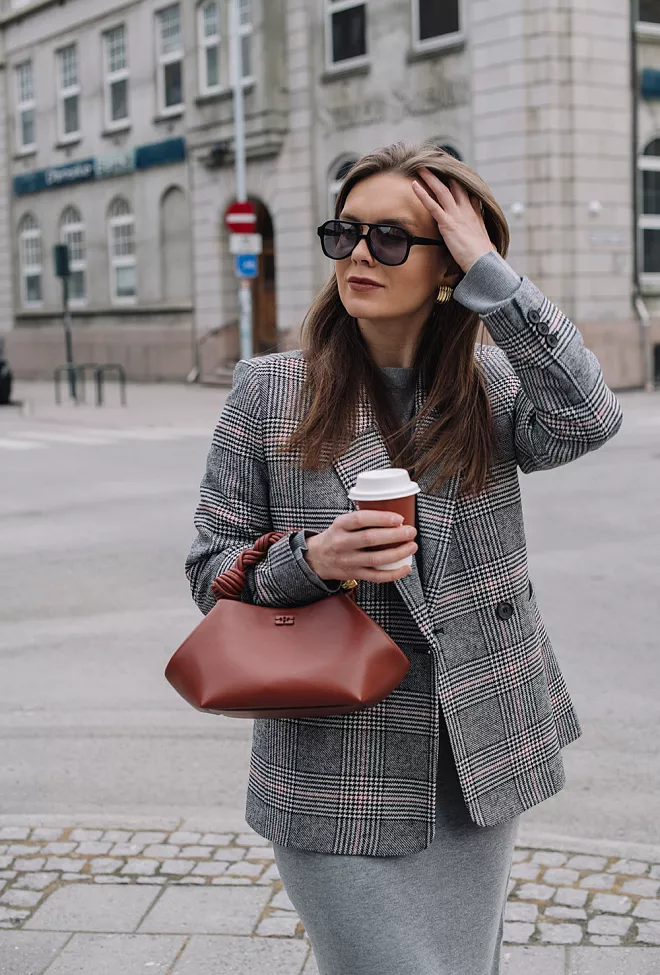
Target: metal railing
column 78, row 373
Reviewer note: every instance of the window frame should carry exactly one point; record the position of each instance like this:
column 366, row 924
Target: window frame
column 169, row 58
column 442, row 40
column 336, row 7
column 650, row 28
column 112, row 77
column 335, row 182
column 203, row 42
column 63, row 93
column 246, row 30
column 27, row 105
column 646, row 221
column 124, row 219
column 77, row 265
column 26, row 270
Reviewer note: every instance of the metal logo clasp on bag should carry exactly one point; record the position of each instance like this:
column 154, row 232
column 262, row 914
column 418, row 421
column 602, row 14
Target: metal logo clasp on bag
column 284, row 620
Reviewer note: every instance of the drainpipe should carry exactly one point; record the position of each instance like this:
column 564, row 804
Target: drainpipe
column 638, row 302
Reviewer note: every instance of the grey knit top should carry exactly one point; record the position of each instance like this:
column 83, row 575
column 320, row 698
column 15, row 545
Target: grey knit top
column 489, row 283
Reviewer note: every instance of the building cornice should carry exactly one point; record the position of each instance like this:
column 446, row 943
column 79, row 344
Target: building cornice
column 29, row 8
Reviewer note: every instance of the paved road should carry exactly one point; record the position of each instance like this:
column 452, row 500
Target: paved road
column 96, row 523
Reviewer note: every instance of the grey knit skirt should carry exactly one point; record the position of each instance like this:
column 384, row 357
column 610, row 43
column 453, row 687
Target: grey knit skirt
column 436, row 912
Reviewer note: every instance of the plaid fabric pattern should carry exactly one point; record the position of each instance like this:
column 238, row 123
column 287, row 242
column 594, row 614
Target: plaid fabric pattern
column 483, row 669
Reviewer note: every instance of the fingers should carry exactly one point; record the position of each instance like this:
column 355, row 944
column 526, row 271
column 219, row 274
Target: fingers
column 367, row 517
column 443, row 192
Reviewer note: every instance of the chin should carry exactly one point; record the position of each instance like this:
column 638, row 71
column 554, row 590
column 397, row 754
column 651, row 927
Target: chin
column 365, row 306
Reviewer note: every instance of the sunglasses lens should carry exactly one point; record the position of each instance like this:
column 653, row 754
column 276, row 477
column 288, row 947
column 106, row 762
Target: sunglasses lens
column 390, row 244
column 339, row 239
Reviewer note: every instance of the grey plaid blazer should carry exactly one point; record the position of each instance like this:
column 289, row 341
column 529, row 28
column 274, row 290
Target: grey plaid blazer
column 482, row 665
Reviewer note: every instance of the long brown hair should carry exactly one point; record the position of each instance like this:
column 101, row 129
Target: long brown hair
column 339, row 365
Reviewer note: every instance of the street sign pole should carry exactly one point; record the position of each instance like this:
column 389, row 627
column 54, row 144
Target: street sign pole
column 244, row 288
column 71, row 372
column 61, row 262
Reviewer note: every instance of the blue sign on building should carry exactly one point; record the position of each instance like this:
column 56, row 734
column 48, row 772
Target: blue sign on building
column 650, row 83
column 247, row 265
column 101, row 167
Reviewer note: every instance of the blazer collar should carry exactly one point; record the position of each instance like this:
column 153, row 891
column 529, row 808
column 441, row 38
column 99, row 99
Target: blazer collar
column 435, row 512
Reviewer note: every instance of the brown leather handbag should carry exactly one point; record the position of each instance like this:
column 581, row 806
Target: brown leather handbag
column 247, row 661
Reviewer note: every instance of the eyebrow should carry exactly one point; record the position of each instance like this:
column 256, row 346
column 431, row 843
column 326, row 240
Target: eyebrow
column 396, row 221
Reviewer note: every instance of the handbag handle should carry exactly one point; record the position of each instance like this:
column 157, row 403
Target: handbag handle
column 230, row 584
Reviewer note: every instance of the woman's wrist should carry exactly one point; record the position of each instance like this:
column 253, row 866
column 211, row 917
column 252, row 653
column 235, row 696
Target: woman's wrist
column 310, row 556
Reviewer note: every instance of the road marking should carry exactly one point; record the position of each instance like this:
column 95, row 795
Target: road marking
column 19, row 444
column 96, row 437
column 56, row 437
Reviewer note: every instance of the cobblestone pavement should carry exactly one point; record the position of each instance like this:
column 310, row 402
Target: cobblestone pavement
column 156, row 897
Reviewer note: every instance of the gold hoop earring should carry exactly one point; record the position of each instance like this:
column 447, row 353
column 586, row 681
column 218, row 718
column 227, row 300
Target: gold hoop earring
column 445, row 293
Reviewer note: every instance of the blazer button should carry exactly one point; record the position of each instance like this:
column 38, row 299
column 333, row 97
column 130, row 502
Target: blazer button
column 533, row 316
column 552, row 339
column 543, row 328
column 504, row 611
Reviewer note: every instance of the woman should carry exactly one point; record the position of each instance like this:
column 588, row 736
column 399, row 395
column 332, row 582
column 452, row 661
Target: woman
column 393, row 827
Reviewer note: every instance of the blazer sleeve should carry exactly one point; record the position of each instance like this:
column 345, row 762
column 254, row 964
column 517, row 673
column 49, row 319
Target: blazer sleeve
column 563, row 407
column 234, row 511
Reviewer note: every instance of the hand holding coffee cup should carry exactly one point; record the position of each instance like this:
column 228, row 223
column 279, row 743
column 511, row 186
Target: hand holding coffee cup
column 373, row 543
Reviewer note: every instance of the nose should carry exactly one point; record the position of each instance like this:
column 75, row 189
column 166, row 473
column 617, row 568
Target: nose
column 361, row 253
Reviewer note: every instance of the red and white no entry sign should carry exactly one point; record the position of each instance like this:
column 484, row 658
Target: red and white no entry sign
column 241, row 218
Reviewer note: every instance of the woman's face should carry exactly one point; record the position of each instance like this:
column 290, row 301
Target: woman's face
column 404, row 289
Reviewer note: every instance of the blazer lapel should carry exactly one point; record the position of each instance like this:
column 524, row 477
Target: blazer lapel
column 434, row 512
column 435, row 515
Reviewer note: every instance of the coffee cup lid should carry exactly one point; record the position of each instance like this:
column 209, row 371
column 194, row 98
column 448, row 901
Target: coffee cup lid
column 383, row 485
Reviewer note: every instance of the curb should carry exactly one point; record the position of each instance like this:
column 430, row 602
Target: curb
column 538, row 840
column 233, row 820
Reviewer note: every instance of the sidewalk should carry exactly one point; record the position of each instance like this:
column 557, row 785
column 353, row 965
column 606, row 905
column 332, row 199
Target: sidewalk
column 120, row 898
column 178, row 405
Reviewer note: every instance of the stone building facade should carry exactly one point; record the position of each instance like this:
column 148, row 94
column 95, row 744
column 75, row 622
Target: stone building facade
column 535, row 97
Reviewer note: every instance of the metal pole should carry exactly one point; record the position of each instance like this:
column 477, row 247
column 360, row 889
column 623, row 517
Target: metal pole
column 71, row 372
column 244, row 287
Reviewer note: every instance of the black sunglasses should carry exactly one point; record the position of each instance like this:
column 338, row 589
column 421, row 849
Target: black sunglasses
column 387, row 243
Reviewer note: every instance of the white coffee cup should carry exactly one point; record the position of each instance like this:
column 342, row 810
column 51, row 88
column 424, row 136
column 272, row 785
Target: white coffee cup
column 387, row 489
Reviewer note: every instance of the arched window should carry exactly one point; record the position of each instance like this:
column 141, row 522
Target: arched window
column 72, row 233
column 30, row 259
column 338, row 173
column 448, row 147
column 649, row 219
column 175, row 245
column 121, row 246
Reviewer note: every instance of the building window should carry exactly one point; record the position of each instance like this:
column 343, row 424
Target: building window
column 30, row 259
column 436, row 23
column 245, row 32
column 209, row 46
column 72, row 233
column 25, row 107
column 447, row 147
column 346, row 32
column 121, row 231
column 649, row 11
column 170, row 60
column 649, row 219
column 69, row 93
column 116, row 77
column 338, row 172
